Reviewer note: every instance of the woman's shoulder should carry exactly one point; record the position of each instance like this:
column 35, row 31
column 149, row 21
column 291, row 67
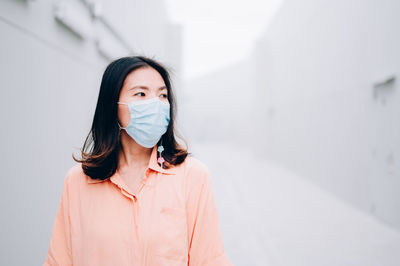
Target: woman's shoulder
column 195, row 164
column 196, row 170
column 75, row 174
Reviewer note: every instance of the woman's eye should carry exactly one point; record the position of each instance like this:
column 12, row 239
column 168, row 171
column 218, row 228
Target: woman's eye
column 164, row 95
column 139, row 93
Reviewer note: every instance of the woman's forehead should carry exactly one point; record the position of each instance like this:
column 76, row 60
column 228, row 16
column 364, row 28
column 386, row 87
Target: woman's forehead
column 146, row 76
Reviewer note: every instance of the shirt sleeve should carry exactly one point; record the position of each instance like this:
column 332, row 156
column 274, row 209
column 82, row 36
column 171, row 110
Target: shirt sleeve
column 59, row 251
column 206, row 247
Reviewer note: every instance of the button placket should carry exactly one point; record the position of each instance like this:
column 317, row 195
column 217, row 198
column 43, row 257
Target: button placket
column 150, row 184
column 135, row 201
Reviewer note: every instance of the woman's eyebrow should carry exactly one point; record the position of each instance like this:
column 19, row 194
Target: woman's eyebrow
column 146, row 88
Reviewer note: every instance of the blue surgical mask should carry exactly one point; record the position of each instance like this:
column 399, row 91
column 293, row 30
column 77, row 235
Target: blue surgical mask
column 149, row 120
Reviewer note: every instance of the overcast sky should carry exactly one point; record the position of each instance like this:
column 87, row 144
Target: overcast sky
column 219, row 32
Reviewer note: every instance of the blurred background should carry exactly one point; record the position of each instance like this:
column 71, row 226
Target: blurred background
column 293, row 105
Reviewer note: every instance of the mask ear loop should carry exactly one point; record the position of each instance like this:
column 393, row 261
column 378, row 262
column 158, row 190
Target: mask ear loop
column 161, row 159
column 119, row 125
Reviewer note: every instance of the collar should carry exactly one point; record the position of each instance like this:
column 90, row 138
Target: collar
column 153, row 165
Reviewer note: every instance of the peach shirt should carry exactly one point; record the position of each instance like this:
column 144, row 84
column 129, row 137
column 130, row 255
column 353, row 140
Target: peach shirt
column 171, row 220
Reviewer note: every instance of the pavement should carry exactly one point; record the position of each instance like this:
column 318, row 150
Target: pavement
column 271, row 216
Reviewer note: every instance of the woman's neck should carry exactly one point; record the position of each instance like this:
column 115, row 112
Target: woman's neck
column 132, row 154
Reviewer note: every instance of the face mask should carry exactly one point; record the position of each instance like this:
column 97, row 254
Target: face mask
column 149, row 120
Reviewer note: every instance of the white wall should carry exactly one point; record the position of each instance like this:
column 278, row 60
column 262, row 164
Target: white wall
column 50, row 79
column 318, row 63
column 219, row 106
column 306, row 98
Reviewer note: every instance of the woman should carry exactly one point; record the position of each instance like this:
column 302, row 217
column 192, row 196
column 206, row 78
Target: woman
column 136, row 197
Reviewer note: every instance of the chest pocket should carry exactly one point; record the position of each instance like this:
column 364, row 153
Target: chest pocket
column 170, row 240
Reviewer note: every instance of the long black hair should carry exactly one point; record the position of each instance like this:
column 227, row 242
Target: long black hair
column 102, row 145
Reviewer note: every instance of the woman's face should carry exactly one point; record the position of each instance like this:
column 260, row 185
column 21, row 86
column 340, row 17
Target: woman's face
column 141, row 84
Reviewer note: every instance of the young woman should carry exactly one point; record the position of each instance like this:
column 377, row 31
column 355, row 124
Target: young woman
column 136, row 197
